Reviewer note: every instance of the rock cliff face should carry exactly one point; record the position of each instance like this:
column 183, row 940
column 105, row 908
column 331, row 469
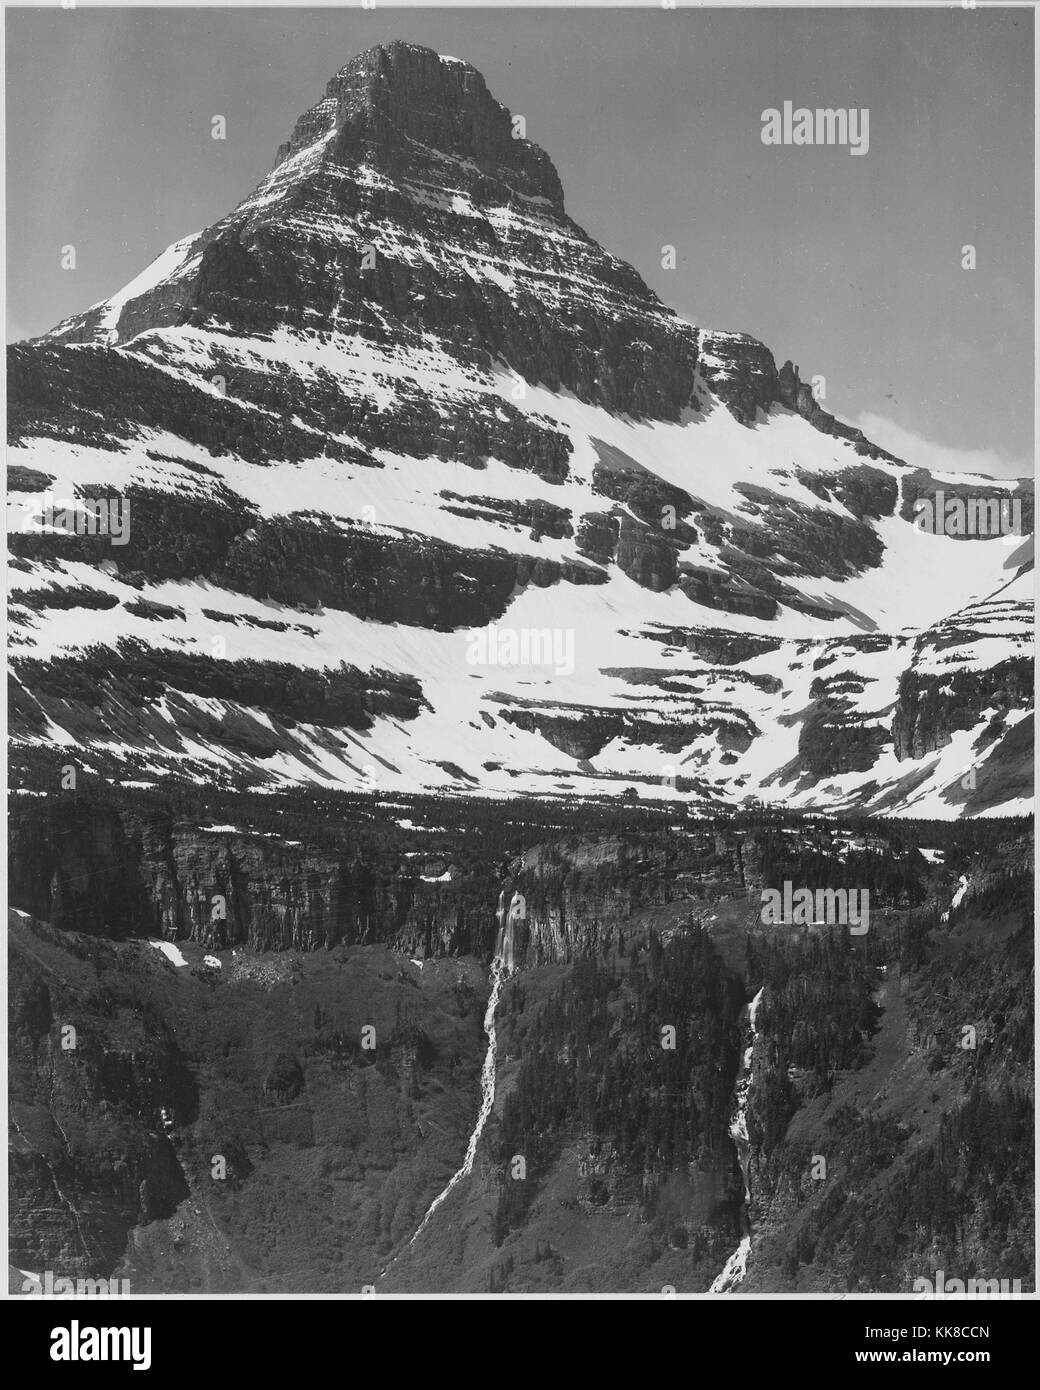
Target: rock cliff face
column 392, row 104
column 396, row 399
column 932, row 708
column 133, row 871
column 118, row 874
column 146, row 1142
column 744, row 374
column 91, row 1084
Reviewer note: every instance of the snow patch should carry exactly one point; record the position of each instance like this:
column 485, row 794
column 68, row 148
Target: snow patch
column 170, row 951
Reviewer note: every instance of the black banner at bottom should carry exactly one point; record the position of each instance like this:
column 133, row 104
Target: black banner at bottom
column 234, row 1335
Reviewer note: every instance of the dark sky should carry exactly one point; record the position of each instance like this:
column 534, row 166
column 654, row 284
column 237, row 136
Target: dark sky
column 849, row 265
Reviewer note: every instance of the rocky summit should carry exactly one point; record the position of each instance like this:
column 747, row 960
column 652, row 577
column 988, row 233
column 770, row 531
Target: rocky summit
column 423, row 491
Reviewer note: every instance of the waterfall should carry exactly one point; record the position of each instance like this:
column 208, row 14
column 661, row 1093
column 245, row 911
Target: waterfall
column 499, row 973
column 734, row 1269
column 736, row 1266
column 502, row 966
column 508, row 919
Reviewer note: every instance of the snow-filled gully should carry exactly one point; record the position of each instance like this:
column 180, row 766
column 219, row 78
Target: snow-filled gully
column 735, row 1268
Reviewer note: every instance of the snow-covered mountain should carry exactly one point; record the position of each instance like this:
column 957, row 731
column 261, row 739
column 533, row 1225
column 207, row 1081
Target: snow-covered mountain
column 426, row 490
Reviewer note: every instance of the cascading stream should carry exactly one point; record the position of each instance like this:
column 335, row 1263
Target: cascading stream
column 502, row 966
column 736, row 1266
column 499, row 974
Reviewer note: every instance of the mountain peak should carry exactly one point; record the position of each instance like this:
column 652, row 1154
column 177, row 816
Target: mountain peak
column 399, row 105
column 396, row 403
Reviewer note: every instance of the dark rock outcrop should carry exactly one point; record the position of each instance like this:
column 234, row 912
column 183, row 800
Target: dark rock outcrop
column 930, row 708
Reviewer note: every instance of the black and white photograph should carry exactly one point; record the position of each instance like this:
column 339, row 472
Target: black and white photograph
column 520, row 650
